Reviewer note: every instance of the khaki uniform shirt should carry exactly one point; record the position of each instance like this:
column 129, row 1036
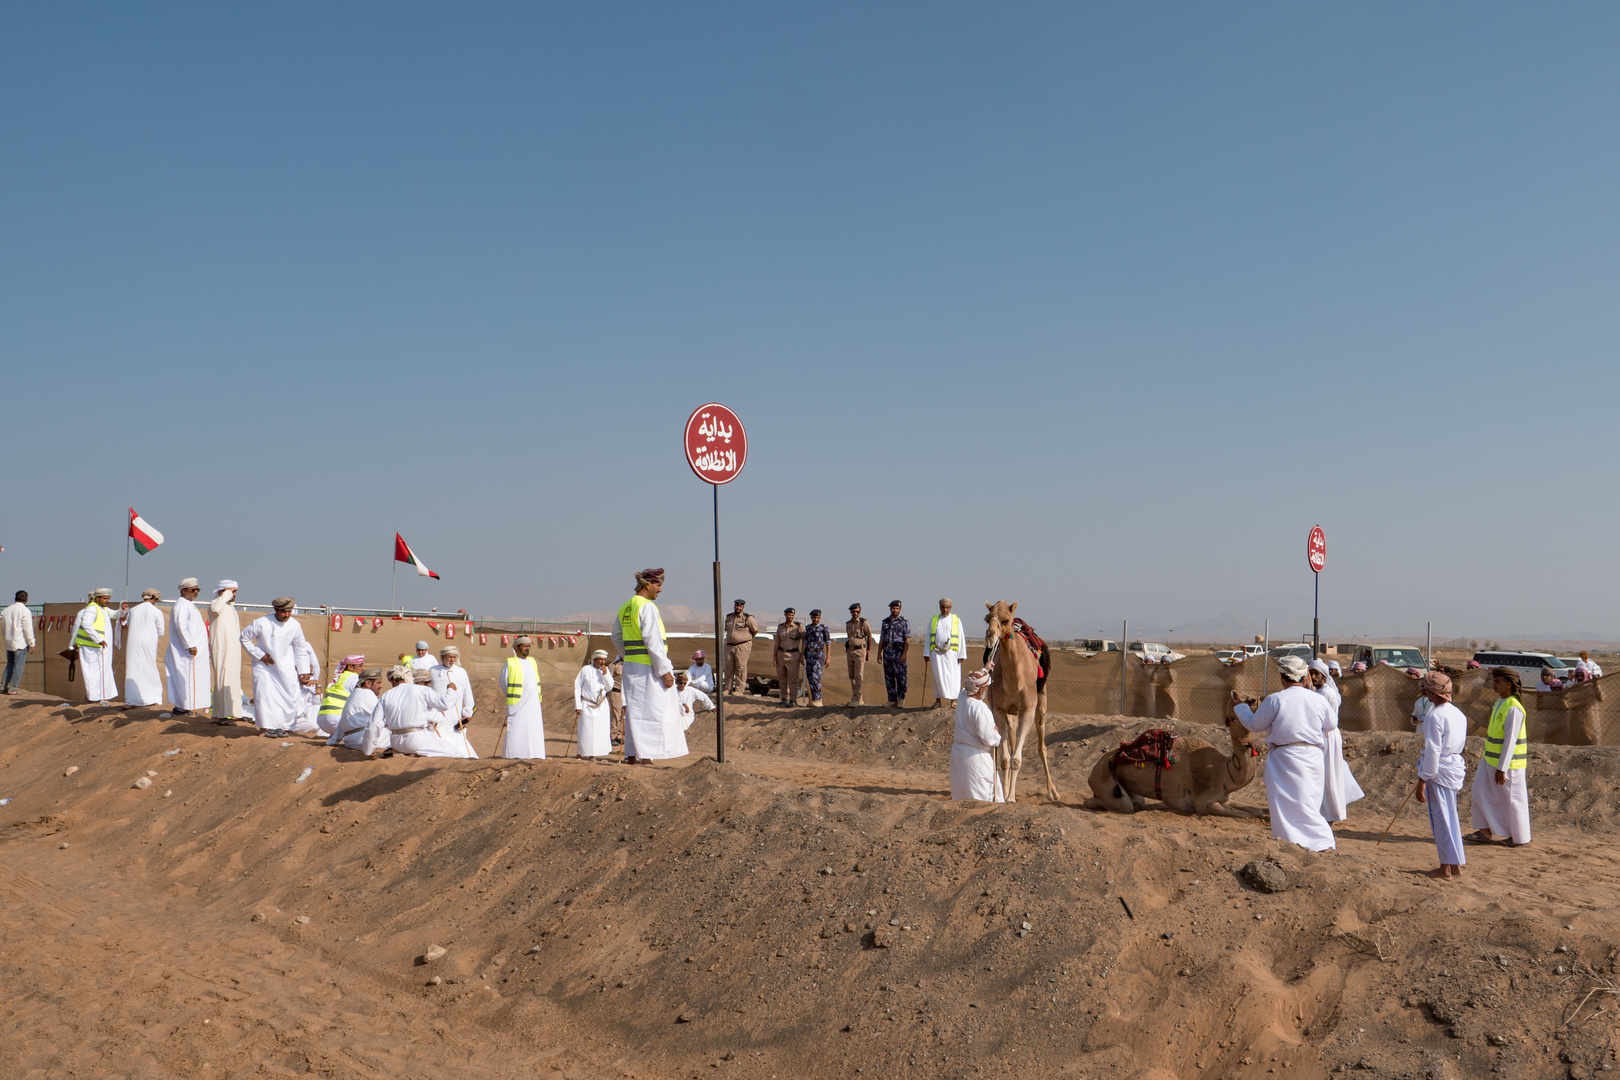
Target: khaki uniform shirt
column 789, row 639
column 740, row 628
column 859, row 632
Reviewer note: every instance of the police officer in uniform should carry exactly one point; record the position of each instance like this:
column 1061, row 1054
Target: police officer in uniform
column 817, row 651
column 892, row 648
column 741, row 629
column 858, row 643
column 789, row 650
column 616, row 701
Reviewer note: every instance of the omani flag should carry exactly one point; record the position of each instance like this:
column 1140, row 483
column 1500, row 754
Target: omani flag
column 404, row 554
column 146, row 538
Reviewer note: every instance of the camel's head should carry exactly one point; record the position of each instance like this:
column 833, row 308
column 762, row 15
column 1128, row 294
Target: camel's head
column 1232, row 702
column 998, row 619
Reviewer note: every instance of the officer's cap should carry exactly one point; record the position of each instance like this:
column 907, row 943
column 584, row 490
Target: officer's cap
column 814, row 612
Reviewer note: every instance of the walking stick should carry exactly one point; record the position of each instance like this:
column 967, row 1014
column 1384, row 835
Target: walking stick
column 1391, row 824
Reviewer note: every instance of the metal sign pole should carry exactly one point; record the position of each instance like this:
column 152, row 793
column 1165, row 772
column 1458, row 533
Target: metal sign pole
column 1316, row 618
column 1124, row 648
column 1265, row 661
column 719, row 635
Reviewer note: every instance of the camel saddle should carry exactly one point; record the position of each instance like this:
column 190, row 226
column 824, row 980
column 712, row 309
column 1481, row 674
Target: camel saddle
column 1043, row 659
column 1157, row 747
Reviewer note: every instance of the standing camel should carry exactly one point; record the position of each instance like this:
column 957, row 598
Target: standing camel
column 1017, row 689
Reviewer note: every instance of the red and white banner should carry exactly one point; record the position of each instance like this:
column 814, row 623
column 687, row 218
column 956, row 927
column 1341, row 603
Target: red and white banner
column 404, row 554
column 376, row 624
column 483, row 639
column 337, row 622
column 466, row 628
column 449, row 629
column 505, row 640
column 146, row 538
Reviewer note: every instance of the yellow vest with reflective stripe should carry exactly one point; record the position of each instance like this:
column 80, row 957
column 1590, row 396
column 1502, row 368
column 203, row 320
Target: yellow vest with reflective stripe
column 514, row 678
column 83, row 638
column 337, row 694
column 956, row 633
column 635, row 649
column 1519, row 753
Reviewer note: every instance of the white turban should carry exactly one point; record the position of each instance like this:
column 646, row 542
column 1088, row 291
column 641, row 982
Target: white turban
column 974, row 682
column 226, row 584
column 1293, row 668
column 188, row 583
column 1321, row 668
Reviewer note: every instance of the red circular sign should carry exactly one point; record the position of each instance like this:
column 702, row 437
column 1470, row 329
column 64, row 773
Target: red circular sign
column 716, row 444
column 1316, row 549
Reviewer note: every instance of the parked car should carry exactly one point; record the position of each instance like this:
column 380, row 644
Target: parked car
column 1301, row 649
column 1153, row 653
column 1401, row 656
column 1093, row 645
column 1239, row 654
column 1527, row 664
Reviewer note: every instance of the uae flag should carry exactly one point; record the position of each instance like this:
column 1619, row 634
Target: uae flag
column 404, row 554
column 146, row 538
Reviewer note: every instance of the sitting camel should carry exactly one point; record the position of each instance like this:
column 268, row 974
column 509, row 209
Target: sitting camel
column 1200, row 781
column 1017, row 689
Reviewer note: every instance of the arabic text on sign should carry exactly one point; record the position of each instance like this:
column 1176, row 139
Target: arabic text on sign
column 713, row 428
column 717, row 460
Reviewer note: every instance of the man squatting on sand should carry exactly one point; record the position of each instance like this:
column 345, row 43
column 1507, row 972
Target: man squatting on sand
column 973, row 762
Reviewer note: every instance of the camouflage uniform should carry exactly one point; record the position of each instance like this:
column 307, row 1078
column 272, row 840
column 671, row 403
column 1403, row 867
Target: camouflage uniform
column 817, row 644
column 893, row 638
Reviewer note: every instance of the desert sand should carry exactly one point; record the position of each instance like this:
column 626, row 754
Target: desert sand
column 815, row 907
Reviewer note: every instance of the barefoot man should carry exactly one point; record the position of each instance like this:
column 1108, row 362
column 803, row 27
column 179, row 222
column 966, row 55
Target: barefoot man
column 1441, row 772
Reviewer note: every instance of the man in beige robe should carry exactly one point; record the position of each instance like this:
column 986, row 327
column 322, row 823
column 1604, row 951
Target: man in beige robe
column 225, row 652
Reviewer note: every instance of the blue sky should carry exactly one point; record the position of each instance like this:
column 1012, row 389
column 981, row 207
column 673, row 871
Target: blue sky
column 1100, row 309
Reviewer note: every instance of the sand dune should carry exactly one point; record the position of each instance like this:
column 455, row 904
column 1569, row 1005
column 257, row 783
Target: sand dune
column 815, row 907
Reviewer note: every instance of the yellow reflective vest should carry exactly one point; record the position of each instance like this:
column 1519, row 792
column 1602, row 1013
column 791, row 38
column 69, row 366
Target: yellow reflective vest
column 514, row 678
column 635, row 649
column 1518, row 754
column 933, row 634
column 82, row 639
column 337, row 694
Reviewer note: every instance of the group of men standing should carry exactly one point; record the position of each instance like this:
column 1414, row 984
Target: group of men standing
column 1308, row 786
column 797, row 647
column 203, row 663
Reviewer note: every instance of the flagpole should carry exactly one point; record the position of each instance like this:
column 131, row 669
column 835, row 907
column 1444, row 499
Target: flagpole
column 393, row 582
column 128, row 543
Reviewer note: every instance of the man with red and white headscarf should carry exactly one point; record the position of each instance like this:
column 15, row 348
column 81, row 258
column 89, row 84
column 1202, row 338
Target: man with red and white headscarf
column 700, row 674
column 973, row 761
column 1441, row 771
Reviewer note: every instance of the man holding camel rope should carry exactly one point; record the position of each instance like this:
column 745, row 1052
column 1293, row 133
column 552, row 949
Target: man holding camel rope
column 1295, row 721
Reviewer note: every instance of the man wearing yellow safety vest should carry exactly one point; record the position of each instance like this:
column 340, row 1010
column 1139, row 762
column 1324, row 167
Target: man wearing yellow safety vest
column 92, row 636
column 1501, row 801
column 336, row 695
column 525, row 728
column 652, row 712
column 944, row 649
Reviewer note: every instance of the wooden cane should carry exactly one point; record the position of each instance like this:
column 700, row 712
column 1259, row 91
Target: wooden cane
column 1391, row 824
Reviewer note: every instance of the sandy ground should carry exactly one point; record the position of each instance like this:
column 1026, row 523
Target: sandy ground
column 815, row 907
